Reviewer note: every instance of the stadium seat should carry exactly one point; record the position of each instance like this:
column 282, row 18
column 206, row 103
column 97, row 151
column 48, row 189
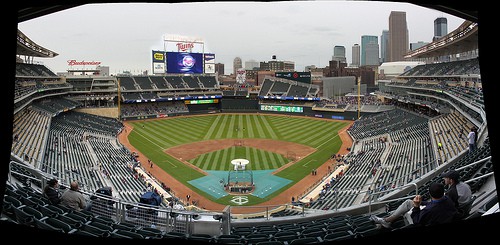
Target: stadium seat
column 33, row 211
column 229, row 239
column 270, row 243
column 304, row 240
column 59, row 224
column 83, row 233
column 200, row 237
column 174, row 235
column 149, row 234
column 47, row 211
column 24, row 218
column 76, row 224
column 128, row 233
column 103, row 226
column 256, row 238
column 95, row 230
column 42, row 225
column 338, row 235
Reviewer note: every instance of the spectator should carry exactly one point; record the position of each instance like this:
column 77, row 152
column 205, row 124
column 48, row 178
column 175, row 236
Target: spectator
column 74, row 199
column 471, row 139
column 51, row 191
column 458, row 191
column 440, row 209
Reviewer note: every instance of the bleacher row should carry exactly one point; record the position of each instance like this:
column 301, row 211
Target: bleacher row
column 33, row 70
column 458, row 97
column 388, row 160
column 460, row 67
column 451, row 130
column 76, row 146
column 145, row 83
column 287, row 89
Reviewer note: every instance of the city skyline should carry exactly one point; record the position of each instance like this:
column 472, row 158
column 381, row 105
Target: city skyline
column 304, row 32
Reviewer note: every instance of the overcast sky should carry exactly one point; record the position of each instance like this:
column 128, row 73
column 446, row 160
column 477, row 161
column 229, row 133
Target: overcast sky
column 123, row 35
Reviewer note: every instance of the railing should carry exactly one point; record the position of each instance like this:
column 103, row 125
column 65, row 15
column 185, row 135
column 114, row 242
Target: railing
column 178, row 219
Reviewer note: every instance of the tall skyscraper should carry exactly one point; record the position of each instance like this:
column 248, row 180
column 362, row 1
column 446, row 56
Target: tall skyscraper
column 237, row 64
column 440, row 28
column 369, row 51
column 356, row 50
column 398, row 44
column 339, row 54
column 384, row 39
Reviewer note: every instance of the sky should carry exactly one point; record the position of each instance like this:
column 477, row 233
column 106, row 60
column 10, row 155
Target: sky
column 122, row 36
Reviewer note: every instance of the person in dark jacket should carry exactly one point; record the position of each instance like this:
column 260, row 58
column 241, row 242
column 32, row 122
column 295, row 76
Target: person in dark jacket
column 51, row 191
column 439, row 210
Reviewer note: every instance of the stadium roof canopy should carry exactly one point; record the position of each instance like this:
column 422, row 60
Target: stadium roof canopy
column 27, row 47
column 461, row 40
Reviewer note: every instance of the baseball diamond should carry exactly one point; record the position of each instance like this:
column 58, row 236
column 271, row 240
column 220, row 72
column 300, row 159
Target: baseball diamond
column 192, row 154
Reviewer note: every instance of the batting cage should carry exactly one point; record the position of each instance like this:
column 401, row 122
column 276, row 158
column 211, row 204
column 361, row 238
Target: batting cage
column 240, row 181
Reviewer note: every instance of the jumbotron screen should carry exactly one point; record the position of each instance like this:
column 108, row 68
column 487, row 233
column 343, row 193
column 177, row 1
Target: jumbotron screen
column 282, row 108
column 188, row 63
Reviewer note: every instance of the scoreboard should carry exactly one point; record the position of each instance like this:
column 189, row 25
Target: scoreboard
column 197, row 102
column 282, row 108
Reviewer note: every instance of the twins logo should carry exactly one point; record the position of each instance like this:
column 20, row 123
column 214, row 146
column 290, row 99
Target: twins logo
column 240, row 200
column 187, row 62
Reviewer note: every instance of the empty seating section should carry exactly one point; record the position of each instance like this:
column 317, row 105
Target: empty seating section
column 33, row 70
column 55, row 105
column 384, row 122
column 451, row 130
column 127, row 83
column 131, row 96
column 156, row 108
column 175, row 82
column 114, row 162
column 459, row 67
column 29, row 133
column 68, row 153
column 266, row 86
column 208, row 81
column 400, row 153
column 340, row 227
column 298, row 91
column 287, row 88
column 159, row 82
column 191, row 81
column 279, row 88
column 148, row 96
column 143, row 82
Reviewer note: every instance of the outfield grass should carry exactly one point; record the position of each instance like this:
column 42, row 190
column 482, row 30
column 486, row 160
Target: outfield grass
column 153, row 137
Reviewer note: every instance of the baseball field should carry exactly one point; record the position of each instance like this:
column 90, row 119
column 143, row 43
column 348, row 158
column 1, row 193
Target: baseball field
column 196, row 151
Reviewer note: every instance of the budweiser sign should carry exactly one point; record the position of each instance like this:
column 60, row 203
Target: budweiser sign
column 184, row 46
column 83, row 63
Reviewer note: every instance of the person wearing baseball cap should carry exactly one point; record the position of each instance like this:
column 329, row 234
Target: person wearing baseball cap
column 458, row 191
